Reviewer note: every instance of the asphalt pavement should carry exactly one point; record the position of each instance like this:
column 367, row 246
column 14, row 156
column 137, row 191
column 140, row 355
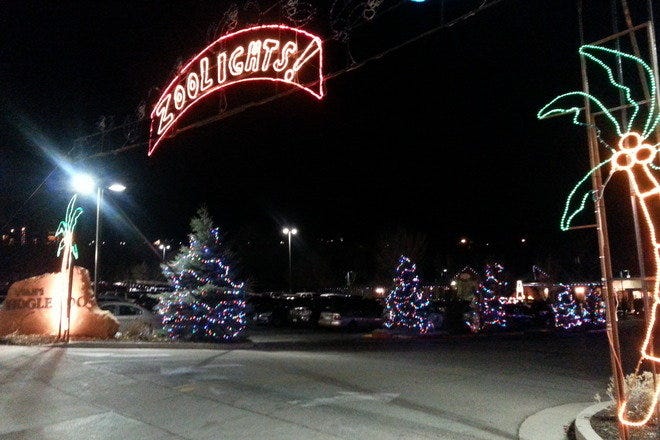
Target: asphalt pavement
column 299, row 384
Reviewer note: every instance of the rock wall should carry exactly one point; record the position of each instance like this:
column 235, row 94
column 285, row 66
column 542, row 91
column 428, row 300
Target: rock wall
column 37, row 306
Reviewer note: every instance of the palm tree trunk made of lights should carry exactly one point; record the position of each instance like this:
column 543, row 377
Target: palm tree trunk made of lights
column 69, row 251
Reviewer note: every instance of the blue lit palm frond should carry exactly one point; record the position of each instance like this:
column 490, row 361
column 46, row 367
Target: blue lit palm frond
column 568, row 104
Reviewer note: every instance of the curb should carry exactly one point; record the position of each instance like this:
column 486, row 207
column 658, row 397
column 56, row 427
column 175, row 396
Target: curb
column 383, row 334
column 147, row 344
column 583, row 429
column 552, row 423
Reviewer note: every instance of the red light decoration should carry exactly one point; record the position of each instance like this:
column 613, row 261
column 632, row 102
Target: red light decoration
column 635, row 157
column 276, row 53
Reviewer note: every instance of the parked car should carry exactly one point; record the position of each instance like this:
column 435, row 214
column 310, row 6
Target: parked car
column 112, row 297
column 352, row 313
column 129, row 314
column 302, row 309
column 147, row 300
column 262, row 310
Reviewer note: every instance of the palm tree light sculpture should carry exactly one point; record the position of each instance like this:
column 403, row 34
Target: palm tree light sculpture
column 634, row 156
column 69, row 251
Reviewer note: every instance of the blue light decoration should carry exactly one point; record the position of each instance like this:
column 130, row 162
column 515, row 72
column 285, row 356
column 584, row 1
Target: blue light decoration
column 407, row 304
column 206, row 304
column 567, row 312
column 490, row 299
column 594, row 309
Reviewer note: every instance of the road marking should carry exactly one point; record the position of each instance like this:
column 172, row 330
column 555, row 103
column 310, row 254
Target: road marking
column 192, row 370
column 121, row 355
column 186, row 388
column 348, row 396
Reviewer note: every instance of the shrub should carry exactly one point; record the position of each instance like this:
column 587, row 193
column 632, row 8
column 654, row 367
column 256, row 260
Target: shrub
column 639, row 390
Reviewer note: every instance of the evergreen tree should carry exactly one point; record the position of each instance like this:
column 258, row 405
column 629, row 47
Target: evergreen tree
column 568, row 313
column 205, row 304
column 406, row 306
column 489, row 307
column 594, row 309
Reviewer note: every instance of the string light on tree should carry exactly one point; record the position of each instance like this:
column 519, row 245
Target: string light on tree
column 407, row 304
column 206, row 303
column 594, row 309
column 491, row 296
column 567, row 312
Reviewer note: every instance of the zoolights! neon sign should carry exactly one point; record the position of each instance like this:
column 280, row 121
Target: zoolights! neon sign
column 262, row 53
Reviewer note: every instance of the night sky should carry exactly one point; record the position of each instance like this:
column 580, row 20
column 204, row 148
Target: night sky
column 439, row 136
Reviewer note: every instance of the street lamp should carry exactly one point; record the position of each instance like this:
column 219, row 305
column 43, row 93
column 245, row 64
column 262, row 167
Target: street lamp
column 164, row 247
column 289, row 232
column 86, row 184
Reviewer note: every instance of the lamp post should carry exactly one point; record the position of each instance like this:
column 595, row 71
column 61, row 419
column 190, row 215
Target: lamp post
column 164, row 247
column 86, row 184
column 289, row 232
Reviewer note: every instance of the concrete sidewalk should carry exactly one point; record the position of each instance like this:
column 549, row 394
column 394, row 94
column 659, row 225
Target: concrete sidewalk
column 552, row 423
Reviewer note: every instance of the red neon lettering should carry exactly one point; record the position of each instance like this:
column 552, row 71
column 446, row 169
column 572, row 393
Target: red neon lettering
column 236, row 67
column 206, row 82
column 269, row 45
column 222, row 67
column 306, row 55
column 260, row 53
column 252, row 58
column 179, row 97
column 192, row 85
column 288, row 49
column 166, row 118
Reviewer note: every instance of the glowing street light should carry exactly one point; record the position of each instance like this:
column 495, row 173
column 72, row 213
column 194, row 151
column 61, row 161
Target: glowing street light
column 86, row 184
column 289, row 232
column 164, row 247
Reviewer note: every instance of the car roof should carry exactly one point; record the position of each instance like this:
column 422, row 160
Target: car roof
column 121, row 303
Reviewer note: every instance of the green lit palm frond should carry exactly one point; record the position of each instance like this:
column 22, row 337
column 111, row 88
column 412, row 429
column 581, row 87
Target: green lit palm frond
column 605, row 58
column 68, row 225
column 568, row 104
column 568, row 214
column 573, row 103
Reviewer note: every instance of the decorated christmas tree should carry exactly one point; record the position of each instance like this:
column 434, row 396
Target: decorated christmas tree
column 568, row 313
column 489, row 306
column 406, row 306
column 205, row 304
column 594, row 309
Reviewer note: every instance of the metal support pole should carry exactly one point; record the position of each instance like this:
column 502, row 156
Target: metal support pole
column 653, row 50
column 290, row 272
column 69, row 295
column 99, row 195
column 603, row 242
